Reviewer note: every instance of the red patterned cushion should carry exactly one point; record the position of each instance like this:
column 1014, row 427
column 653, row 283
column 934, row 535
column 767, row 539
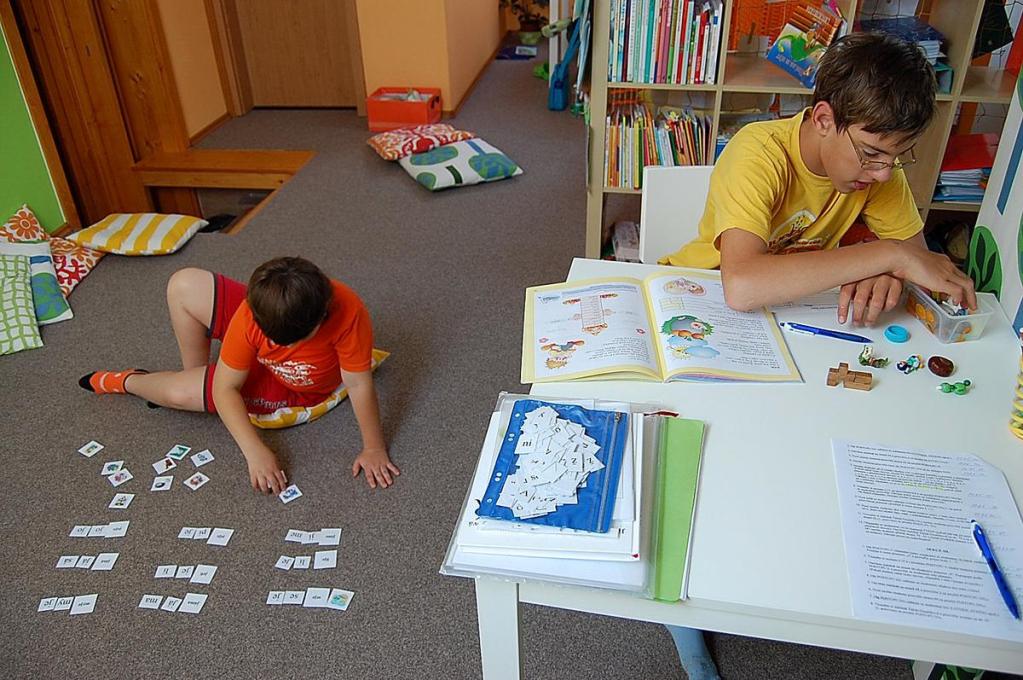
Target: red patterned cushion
column 395, row 144
column 71, row 261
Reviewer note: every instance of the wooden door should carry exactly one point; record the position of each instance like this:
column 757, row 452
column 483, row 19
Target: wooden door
column 106, row 83
column 299, row 52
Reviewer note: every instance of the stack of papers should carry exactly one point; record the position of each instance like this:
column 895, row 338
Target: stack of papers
column 629, row 555
column 619, row 543
column 962, row 185
column 485, row 545
column 966, row 167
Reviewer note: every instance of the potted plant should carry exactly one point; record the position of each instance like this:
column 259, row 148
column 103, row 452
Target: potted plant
column 532, row 15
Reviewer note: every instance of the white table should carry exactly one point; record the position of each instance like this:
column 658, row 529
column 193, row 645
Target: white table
column 767, row 555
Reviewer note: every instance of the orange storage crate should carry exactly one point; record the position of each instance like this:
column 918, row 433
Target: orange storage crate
column 388, row 114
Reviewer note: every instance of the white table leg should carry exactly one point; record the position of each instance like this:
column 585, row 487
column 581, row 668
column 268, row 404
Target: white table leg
column 497, row 609
column 922, row 669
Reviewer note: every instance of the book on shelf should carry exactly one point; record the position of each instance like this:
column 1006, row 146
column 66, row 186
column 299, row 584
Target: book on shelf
column 911, row 29
column 636, row 135
column 929, row 39
column 664, row 41
column 672, row 325
column 810, row 29
column 966, row 167
column 730, row 122
column 969, row 152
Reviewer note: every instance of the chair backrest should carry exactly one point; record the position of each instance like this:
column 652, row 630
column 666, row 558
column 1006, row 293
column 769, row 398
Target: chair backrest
column 673, row 200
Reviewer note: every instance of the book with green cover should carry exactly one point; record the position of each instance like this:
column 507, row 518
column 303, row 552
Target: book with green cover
column 678, row 478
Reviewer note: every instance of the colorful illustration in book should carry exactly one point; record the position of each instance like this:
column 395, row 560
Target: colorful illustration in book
column 801, row 47
column 687, row 337
column 559, row 354
column 803, row 40
column 592, row 312
column 683, row 286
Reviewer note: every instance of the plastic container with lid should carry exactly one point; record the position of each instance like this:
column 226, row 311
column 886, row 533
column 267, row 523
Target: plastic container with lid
column 944, row 326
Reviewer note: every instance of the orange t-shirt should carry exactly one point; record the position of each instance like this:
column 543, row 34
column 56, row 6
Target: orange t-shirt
column 343, row 341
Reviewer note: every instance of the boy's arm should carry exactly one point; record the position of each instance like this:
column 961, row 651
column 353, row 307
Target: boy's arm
column 753, row 278
column 373, row 459
column 265, row 472
column 869, row 297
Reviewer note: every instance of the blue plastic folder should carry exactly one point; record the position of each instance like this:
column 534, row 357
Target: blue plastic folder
column 593, row 512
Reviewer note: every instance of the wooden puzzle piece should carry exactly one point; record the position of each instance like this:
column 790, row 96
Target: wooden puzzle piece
column 855, row 380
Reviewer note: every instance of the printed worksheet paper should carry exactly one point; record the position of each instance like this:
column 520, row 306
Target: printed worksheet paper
column 911, row 555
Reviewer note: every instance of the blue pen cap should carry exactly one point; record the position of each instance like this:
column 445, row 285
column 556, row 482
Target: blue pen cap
column 896, row 334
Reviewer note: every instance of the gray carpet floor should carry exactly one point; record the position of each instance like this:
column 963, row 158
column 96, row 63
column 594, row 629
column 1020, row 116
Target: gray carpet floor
column 443, row 276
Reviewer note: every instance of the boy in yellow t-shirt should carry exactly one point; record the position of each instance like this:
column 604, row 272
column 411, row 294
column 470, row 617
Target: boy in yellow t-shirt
column 795, row 186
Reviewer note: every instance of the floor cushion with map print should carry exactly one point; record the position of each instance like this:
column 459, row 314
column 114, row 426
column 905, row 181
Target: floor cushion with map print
column 459, row 164
column 47, row 298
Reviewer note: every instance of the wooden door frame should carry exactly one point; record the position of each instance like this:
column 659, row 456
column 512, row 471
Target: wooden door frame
column 234, row 71
column 106, row 78
column 230, row 55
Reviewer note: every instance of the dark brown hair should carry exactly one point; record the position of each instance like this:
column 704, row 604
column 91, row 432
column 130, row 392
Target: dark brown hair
column 878, row 81
column 288, row 297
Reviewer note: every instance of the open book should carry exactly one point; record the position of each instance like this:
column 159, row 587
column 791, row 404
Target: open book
column 672, row 325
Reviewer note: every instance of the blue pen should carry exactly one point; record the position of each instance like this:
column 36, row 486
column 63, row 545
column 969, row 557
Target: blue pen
column 814, row 330
column 989, row 557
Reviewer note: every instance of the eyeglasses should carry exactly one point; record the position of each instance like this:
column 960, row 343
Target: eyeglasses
column 869, row 164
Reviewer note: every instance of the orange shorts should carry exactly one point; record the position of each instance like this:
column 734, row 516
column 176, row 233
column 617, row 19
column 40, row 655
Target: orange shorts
column 262, row 391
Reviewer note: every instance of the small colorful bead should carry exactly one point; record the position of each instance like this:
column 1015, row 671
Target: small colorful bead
column 941, row 366
column 867, row 358
column 912, row 363
column 961, row 387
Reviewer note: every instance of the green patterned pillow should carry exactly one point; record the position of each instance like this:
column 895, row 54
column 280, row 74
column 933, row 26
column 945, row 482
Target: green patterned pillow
column 459, row 164
column 18, row 327
column 49, row 302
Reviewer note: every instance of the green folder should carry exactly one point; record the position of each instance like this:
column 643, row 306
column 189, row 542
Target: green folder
column 678, row 475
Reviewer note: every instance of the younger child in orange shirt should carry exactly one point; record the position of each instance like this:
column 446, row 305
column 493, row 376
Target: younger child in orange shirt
column 289, row 339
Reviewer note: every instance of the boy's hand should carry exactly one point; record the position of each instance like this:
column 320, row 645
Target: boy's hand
column 377, row 465
column 869, row 298
column 265, row 472
column 935, row 273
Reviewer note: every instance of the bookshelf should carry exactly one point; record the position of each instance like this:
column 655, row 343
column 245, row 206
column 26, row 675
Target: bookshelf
column 741, row 73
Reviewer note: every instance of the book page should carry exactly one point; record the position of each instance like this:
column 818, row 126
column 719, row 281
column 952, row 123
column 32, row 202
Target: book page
column 586, row 328
column 824, row 301
column 701, row 337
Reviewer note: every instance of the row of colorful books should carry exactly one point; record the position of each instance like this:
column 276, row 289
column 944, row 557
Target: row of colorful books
column 664, row 41
column 636, row 136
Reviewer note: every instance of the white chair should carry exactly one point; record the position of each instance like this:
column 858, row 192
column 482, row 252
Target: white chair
column 673, row 200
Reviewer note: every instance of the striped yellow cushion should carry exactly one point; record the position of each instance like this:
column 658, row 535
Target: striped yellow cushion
column 139, row 233
column 296, row 415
